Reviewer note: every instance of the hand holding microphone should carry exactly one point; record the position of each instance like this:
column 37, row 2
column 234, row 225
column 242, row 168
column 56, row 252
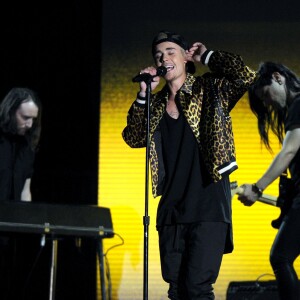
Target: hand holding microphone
column 147, row 77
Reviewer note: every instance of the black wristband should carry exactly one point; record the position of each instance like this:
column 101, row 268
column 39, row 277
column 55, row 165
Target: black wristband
column 257, row 190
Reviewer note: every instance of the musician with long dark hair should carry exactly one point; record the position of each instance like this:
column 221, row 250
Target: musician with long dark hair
column 20, row 127
column 275, row 100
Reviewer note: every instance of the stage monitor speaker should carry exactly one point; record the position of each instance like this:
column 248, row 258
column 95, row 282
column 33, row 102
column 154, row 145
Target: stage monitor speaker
column 252, row 290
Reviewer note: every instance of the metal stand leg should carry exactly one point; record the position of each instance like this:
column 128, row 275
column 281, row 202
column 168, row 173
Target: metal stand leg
column 101, row 269
column 53, row 270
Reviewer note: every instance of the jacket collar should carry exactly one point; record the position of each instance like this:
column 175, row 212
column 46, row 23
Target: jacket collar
column 188, row 84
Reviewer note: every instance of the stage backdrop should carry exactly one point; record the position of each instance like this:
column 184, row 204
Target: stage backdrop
column 122, row 169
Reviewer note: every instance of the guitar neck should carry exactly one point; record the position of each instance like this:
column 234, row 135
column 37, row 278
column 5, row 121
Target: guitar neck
column 267, row 199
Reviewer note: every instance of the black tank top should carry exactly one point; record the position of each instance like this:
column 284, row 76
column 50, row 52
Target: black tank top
column 189, row 195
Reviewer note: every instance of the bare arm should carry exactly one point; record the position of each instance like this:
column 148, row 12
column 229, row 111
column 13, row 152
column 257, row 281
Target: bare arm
column 281, row 162
column 26, row 193
column 291, row 145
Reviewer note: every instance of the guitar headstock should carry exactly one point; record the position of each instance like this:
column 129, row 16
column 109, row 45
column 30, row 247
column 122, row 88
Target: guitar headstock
column 233, row 185
column 235, row 189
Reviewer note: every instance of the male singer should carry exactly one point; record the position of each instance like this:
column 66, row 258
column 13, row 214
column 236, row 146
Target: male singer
column 191, row 156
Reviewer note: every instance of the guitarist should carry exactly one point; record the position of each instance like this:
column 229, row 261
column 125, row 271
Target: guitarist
column 275, row 100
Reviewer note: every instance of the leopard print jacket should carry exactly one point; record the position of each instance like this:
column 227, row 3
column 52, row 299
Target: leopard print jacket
column 206, row 102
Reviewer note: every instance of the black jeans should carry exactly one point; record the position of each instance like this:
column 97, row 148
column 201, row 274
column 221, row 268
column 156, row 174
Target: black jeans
column 191, row 256
column 285, row 249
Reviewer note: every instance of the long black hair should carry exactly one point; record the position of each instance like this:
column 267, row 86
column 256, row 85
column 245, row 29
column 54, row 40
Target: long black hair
column 271, row 116
column 8, row 107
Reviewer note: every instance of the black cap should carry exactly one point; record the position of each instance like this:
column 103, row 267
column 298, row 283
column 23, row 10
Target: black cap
column 167, row 36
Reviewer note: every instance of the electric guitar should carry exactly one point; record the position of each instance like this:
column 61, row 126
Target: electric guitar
column 283, row 201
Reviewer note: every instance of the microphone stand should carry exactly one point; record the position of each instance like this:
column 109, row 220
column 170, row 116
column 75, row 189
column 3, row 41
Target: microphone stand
column 146, row 218
column 147, row 78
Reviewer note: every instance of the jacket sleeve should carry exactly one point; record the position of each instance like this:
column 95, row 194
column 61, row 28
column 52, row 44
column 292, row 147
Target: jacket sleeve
column 232, row 76
column 134, row 134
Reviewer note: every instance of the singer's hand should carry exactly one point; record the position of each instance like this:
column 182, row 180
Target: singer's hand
column 154, row 83
column 195, row 52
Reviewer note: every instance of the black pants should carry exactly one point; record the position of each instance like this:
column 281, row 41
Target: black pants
column 285, row 249
column 191, row 256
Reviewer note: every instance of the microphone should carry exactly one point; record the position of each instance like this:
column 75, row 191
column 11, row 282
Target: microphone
column 160, row 71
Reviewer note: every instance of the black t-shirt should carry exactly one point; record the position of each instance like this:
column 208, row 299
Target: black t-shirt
column 16, row 165
column 293, row 121
column 189, row 195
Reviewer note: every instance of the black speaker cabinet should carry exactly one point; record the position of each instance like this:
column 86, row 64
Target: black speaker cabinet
column 252, row 290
